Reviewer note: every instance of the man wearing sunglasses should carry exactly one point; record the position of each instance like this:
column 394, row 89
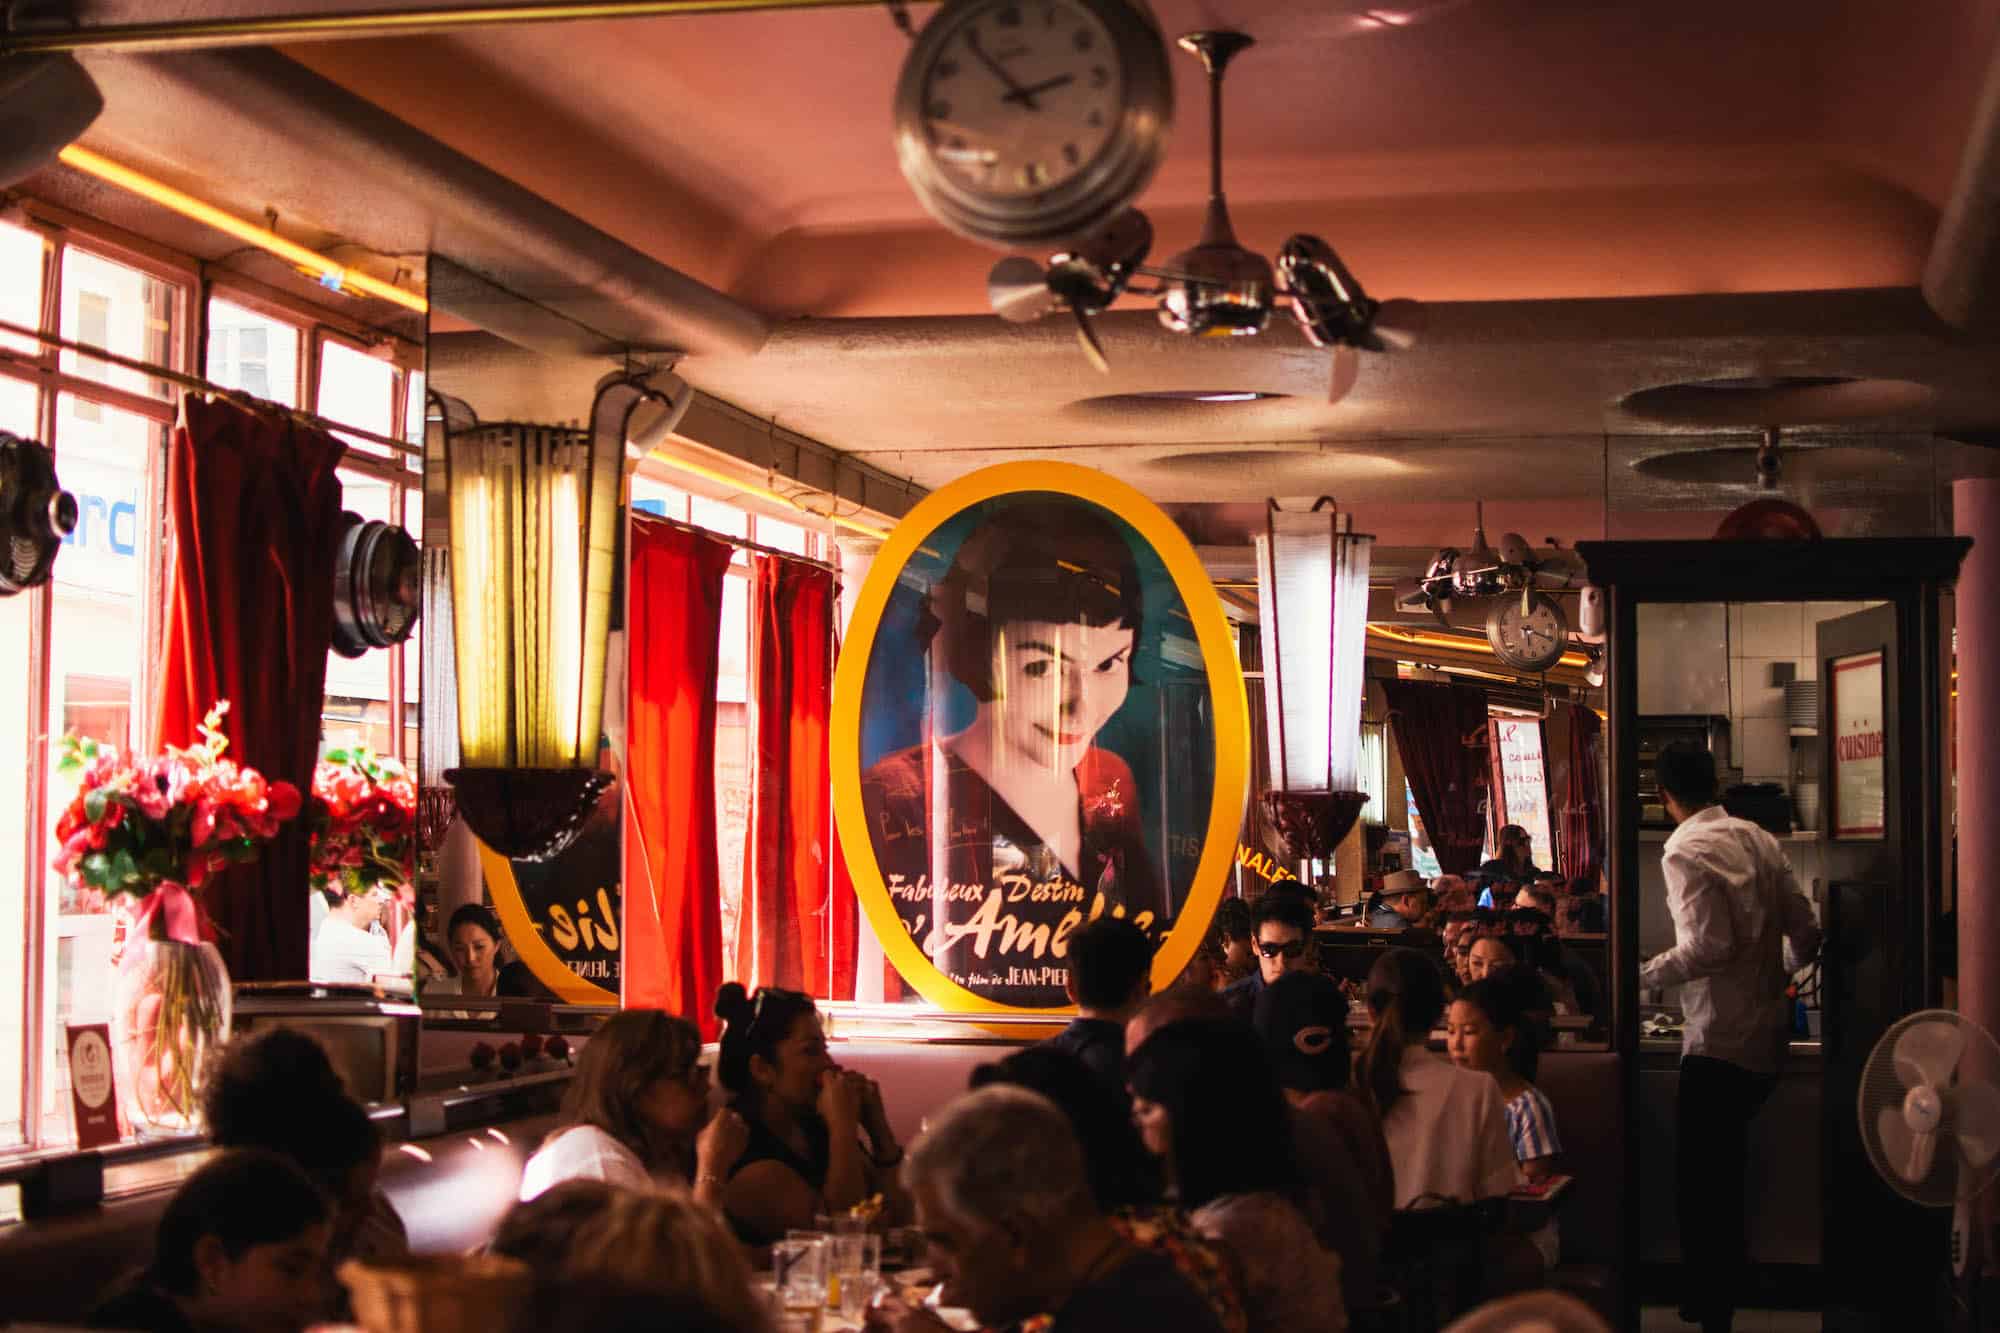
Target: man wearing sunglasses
column 1281, row 927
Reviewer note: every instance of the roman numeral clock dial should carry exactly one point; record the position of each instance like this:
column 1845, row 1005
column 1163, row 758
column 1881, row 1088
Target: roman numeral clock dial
column 1032, row 121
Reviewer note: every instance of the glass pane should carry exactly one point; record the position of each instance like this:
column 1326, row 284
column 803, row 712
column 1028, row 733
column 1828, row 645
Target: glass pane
column 652, row 496
column 1524, row 783
column 20, row 286
column 717, row 516
column 356, row 389
column 122, row 310
column 253, row 352
column 732, row 681
column 17, row 414
column 413, row 523
column 732, row 814
column 783, row 536
column 413, row 411
column 95, row 654
column 357, row 688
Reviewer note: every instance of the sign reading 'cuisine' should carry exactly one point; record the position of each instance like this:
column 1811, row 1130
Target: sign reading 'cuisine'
column 1038, row 719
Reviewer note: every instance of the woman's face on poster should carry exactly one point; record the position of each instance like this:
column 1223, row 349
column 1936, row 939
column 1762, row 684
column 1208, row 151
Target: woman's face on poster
column 1055, row 686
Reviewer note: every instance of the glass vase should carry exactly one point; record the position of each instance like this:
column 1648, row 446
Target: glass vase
column 170, row 1013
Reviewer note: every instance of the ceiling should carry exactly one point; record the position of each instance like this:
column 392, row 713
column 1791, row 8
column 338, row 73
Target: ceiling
column 1594, row 200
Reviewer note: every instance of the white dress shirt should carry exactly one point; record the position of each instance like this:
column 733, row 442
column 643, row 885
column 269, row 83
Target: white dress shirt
column 582, row 1152
column 342, row 951
column 1736, row 905
column 1448, row 1133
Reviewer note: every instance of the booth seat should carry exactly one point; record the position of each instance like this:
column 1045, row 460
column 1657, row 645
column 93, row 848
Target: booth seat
column 451, row 1192
column 1583, row 1088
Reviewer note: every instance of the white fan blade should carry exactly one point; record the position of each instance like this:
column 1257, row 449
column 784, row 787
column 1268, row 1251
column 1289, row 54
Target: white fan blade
column 1410, row 595
column 1907, row 1152
column 1345, row 371
column 1928, row 1053
column 1093, row 350
column 1019, row 290
column 1978, row 1108
column 1398, row 324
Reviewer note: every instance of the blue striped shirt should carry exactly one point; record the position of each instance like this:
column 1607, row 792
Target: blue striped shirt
column 1531, row 1126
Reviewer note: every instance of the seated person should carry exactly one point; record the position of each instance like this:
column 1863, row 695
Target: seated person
column 1002, row 1195
column 1235, row 935
column 1536, row 897
column 1451, row 893
column 1282, row 925
column 348, row 947
column 1514, row 859
column 1488, row 954
column 662, row 1243
column 1124, row 1179
column 1301, row 1020
column 1110, row 978
column 276, row 1090
column 241, row 1246
column 805, row 1115
column 1583, row 910
column 1209, row 1107
column 1490, row 1029
column 474, row 935
column 636, row 1113
column 1403, row 902
column 1446, row 1127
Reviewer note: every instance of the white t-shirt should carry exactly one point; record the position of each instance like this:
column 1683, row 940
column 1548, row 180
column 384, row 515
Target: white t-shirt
column 582, row 1152
column 342, row 951
column 1448, row 1133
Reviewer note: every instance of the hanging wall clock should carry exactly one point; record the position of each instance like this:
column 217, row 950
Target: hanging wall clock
column 1528, row 632
column 1033, row 122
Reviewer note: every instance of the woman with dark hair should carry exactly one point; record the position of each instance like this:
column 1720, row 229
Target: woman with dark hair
column 474, row 935
column 805, row 1117
column 632, row 1112
column 1039, row 618
column 1446, row 1127
column 275, row 1089
column 241, row 1248
column 1207, row 1104
column 1515, row 858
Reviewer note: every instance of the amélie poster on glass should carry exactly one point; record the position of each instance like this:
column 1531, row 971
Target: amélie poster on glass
column 1038, row 717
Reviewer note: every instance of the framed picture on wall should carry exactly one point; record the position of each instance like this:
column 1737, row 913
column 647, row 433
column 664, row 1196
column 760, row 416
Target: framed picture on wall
column 1860, row 735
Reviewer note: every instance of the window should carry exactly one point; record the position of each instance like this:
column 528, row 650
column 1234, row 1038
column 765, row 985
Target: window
column 83, row 649
column 1524, row 782
column 651, row 494
column 1422, row 859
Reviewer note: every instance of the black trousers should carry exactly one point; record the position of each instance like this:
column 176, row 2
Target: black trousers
column 1717, row 1102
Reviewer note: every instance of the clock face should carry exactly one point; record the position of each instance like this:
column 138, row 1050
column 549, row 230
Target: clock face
column 1021, row 95
column 1530, row 642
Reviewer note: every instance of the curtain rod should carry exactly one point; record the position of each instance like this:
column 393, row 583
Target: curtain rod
column 647, row 516
column 200, row 385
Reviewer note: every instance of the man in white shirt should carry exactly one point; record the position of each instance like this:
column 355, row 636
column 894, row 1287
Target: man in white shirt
column 1736, row 906
column 346, row 948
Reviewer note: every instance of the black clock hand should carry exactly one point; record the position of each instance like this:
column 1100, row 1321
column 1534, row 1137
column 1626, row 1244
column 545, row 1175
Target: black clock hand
column 1015, row 92
column 1046, row 85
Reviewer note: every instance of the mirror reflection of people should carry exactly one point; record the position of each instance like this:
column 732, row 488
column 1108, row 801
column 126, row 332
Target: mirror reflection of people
column 349, row 947
column 1039, row 618
column 1402, row 902
column 475, row 936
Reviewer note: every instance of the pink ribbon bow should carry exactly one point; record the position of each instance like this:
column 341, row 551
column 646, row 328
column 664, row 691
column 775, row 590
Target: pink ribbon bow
column 182, row 917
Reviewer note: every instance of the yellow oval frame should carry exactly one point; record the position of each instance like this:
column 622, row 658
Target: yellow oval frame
column 1225, row 684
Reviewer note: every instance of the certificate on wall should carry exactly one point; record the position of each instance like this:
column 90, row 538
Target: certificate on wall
column 1859, row 743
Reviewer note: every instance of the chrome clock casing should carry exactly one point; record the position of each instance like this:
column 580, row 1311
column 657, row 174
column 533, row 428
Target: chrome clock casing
column 1073, row 209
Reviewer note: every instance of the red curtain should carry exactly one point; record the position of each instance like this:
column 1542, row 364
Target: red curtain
column 1580, row 829
column 673, row 886
column 1443, row 736
column 794, row 931
column 253, row 506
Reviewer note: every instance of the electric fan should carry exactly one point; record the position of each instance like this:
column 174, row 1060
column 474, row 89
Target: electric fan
column 1930, row 1110
column 36, row 513
column 377, row 586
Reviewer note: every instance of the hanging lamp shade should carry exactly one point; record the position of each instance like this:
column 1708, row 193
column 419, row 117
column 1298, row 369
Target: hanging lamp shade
column 1312, row 604
column 534, row 525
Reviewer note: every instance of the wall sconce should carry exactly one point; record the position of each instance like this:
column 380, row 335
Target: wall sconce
column 534, row 538
column 1312, row 602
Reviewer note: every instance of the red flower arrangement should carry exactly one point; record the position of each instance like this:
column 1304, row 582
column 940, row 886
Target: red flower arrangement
column 153, row 829
column 363, row 822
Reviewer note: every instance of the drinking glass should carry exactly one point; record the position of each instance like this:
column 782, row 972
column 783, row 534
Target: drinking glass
column 798, row 1274
column 855, row 1261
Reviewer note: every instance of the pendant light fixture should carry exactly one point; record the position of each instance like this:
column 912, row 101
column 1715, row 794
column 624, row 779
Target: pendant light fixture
column 1312, row 605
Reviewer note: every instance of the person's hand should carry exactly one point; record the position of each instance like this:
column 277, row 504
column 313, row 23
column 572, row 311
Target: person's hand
column 721, row 1142
column 874, row 1116
column 840, row 1100
column 894, row 1315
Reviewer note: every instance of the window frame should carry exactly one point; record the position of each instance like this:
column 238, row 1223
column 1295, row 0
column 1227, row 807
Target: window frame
column 62, row 232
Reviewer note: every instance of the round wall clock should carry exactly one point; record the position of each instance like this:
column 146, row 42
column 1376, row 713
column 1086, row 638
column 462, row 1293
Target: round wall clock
column 1528, row 632
column 1033, row 122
